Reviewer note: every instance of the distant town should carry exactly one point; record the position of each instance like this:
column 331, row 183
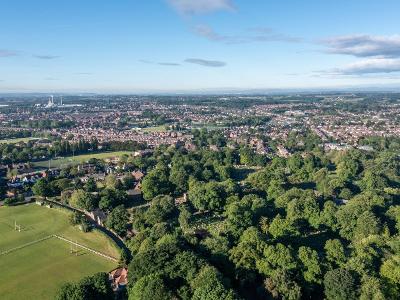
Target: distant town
column 340, row 120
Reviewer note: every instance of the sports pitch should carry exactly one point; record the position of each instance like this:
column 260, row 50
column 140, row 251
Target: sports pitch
column 38, row 270
column 77, row 159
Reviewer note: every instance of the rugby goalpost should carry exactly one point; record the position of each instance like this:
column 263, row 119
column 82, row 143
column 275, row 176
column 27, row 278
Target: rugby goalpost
column 74, row 250
column 17, row 227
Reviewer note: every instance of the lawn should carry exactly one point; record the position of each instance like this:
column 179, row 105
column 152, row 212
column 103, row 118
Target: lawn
column 17, row 140
column 38, row 270
column 77, row 159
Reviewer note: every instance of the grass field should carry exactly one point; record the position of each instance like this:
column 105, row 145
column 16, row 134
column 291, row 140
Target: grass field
column 38, row 270
column 56, row 163
column 160, row 128
column 17, row 140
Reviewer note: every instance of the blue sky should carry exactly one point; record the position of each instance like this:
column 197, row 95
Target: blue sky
column 190, row 45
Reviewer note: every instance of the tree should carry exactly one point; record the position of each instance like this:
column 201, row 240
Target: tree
column 390, row 269
column 247, row 254
column 276, row 257
column 118, row 220
column 366, row 225
column 161, row 209
column 239, row 217
column 371, row 289
column 244, row 213
column 358, row 209
column 311, row 266
column 150, row 287
column 97, row 287
column 179, row 177
column 41, row 188
column 205, row 196
column 94, row 287
column 208, row 285
column 340, row 284
column 154, row 259
column 328, row 215
column 111, row 181
column 322, row 182
column 394, row 213
column 184, row 217
column 334, row 252
column 59, row 185
column 129, row 182
column 347, row 169
column 90, row 185
column 281, row 285
column 156, row 183
column 281, row 227
column 305, row 208
column 83, row 200
column 373, row 181
column 111, row 198
column 246, row 156
column 70, row 291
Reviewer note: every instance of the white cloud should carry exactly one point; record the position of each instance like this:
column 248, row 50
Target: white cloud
column 206, row 63
column 46, row 56
column 364, row 45
column 259, row 34
column 190, row 7
column 370, row 66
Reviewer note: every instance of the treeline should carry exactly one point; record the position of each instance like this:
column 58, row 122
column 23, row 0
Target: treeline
column 248, row 121
column 30, row 151
column 13, row 134
column 43, row 124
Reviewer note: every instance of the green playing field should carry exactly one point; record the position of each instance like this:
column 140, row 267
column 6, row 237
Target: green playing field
column 78, row 159
column 37, row 271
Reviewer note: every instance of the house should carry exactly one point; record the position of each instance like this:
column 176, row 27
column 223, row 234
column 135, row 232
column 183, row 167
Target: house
column 87, row 168
column 118, row 278
column 136, row 193
column 366, row 148
column 335, row 146
column 142, row 152
column 113, row 160
column 11, row 194
column 181, row 200
column 283, row 152
column 96, row 177
column 98, row 216
column 190, row 146
column 138, row 175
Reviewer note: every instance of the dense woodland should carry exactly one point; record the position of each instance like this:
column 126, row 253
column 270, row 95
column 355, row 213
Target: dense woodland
column 315, row 225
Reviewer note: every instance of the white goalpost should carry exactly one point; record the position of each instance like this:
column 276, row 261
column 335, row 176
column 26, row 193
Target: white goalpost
column 74, row 248
column 17, row 227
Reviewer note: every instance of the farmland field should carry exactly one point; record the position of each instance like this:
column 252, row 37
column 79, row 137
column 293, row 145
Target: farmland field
column 37, row 271
column 77, row 159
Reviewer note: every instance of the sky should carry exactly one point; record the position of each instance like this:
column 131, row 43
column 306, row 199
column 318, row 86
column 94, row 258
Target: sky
column 135, row 46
